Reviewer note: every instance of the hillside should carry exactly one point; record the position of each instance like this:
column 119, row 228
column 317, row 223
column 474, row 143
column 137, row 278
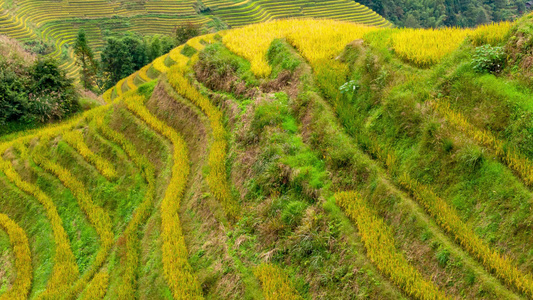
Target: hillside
column 437, row 13
column 58, row 23
column 295, row 159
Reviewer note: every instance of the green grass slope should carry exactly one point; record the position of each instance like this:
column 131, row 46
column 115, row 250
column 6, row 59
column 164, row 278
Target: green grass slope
column 350, row 173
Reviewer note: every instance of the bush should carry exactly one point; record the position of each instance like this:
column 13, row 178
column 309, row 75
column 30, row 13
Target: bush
column 488, row 59
column 293, row 212
column 472, row 157
column 186, row 32
column 39, row 92
column 188, row 51
column 280, row 57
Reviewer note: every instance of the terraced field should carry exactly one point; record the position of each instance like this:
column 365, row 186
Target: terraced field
column 295, row 159
column 59, row 22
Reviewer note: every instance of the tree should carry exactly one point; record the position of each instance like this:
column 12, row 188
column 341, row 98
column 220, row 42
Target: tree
column 121, row 57
column 411, row 21
column 482, row 17
column 116, row 61
column 167, row 43
column 57, row 97
column 155, row 48
column 137, row 50
column 438, row 13
column 185, row 32
column 85, row 59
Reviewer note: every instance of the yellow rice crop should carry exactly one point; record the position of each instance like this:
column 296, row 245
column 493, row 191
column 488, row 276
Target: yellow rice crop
column 379, row 243
column 275, row 283
column 177, row 271
column 490, row 34
column 129, row 81
column 65, row 269
column 195, row 42
column 180, row 59
column 325, row 39
column 448, row 219
column 143, row 74
column 107, row 95
column 118, row 87
column 316, row 39
column 21, row 251
column 217, row 177
column 76, row 140
column 97, row 288
column 159, row 64
column 252, row 42
column 95, row 214
column 425, row 47
column 126, row 289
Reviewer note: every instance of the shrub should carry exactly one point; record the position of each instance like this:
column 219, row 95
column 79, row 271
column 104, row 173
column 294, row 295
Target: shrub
column 443, row 256
column 293, row 212
column 185, row 32
column 488, row 59
column 279, row 54
column 472, row 157
column 39, row 92
column 188, row 50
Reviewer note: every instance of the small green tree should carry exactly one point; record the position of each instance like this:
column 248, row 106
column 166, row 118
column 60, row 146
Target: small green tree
column 116, row 61
column 121, row 57
column 85, row 59
column 155, row 48
column 186, row 32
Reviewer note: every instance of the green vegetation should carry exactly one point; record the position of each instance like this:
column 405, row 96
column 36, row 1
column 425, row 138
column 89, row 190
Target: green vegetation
column 361, row 166
column 413, row 13
column 32, row 90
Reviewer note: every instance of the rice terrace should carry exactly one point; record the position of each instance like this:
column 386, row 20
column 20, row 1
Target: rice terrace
column 266, row 149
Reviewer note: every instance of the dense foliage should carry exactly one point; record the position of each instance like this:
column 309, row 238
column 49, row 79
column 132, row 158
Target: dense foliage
column 125, row 54
column 439, row 13
column 34, row 91
column 121, row 57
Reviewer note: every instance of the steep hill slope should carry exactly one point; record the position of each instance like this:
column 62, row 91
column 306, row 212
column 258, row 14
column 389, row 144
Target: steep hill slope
column 296, row 159
column 59, row 22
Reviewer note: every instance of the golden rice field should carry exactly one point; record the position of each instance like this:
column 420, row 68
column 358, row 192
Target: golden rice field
column 252, row 186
